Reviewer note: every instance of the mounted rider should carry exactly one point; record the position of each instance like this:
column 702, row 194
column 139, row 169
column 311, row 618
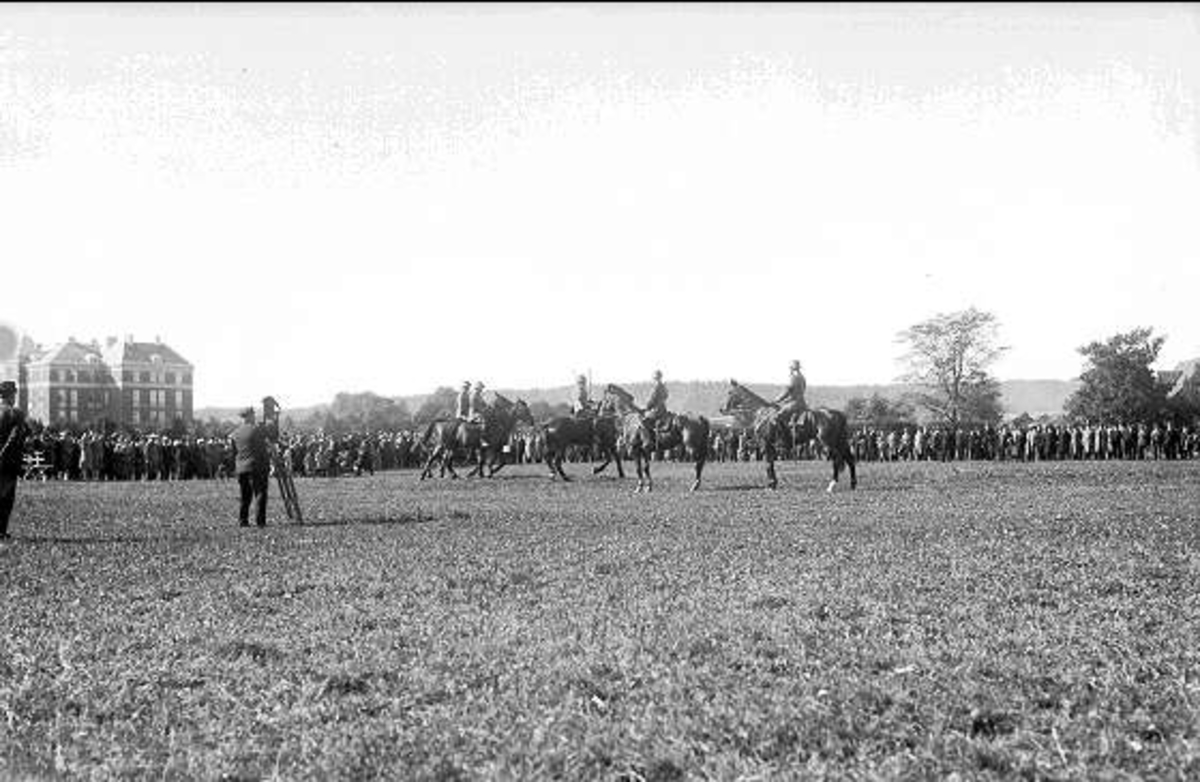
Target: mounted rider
column 656, row 414
column 462, row 410
column 791, row 402
column 582, row 406
column 477, row 407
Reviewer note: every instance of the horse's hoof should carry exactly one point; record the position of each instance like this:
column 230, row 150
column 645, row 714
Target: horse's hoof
column 695, row 486
column 829, row 488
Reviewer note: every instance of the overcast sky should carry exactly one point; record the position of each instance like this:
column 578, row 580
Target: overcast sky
column 303, row 200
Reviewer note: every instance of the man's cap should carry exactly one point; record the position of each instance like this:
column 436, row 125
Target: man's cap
column 479, row 384
column 795, row 364
column 658, row 373
column 269, row 401
column 581, row 379
column 247, row 412
column 466, row 384
column 8, row 387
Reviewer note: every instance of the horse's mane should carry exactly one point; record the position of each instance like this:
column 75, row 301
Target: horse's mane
column 616, row 390
column 746, row 391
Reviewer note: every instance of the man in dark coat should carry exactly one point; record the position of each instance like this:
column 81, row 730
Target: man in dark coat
column 12, row 451
column 252, row 465
column 791, row 401
column 656, row 406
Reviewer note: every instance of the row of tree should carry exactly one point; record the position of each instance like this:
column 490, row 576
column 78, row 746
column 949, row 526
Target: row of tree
column 949, row 358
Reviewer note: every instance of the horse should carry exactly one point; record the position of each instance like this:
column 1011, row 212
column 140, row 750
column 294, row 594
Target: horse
column 690, row 432
column 482, row 440
column 635, row 433
column 598, row 429
column 828, row 427
column 499, row 422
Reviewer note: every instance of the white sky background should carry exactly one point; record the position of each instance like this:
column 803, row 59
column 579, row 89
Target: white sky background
column 311, row 199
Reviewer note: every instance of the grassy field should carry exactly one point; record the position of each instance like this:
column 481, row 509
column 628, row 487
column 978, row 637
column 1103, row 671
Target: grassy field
column 985, row 621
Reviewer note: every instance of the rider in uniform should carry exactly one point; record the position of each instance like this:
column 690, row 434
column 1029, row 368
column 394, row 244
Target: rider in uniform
column 464, row 401
column 791, row 401
column 656, row 406
column 477, row 405
column 582, row 406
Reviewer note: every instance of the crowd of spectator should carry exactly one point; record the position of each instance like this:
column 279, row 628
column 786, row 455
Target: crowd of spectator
column 92, row 456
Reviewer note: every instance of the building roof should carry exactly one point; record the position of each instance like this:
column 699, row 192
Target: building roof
column 130, row 352
column 70, row 352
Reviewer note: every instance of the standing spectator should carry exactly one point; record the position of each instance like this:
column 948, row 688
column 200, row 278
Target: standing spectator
column 253, row 468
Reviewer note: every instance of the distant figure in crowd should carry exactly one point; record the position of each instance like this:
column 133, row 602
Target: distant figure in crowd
column 656, row 405
column 583, row 403
column 462, row 410
column 252, row 466
column 12, row 450
column 791, row 401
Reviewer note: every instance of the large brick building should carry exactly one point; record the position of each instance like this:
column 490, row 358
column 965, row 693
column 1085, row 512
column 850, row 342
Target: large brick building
column 143, row 384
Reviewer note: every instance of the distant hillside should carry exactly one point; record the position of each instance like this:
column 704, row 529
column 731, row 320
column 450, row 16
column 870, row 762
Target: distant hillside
column 1036, row 397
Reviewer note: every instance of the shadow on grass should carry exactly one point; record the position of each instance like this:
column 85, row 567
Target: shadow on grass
column 741, row 487
column 403, row 519
column 86, row 540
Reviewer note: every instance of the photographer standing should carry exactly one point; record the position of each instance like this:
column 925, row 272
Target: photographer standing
column 253, row 468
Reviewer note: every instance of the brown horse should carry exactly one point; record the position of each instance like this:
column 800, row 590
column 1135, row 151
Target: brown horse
column 481, row 443
column 597, row 430
column 828, row 427
column 690, row 432
column 498, row 424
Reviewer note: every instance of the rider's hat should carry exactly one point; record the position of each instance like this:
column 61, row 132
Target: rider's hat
column 657, row 374
column 466, row 384
column 479, row 384
column 581, row 379
column 795, row 365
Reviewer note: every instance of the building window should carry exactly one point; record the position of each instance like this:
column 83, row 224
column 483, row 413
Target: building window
column 145, row 377
column 187, row 378
column 126, row 375
column 178, row 400
column 170, row 378
column 53, row 375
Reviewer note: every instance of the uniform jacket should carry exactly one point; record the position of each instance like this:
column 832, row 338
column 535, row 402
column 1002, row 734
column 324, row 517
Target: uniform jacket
column 658, row 398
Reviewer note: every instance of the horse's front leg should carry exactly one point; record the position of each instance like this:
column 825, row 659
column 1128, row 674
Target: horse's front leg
column 769, row 455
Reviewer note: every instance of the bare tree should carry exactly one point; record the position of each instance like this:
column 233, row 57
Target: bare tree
column 948, row 357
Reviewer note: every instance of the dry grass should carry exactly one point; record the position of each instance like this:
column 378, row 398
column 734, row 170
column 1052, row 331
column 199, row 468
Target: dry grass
column 993, row 621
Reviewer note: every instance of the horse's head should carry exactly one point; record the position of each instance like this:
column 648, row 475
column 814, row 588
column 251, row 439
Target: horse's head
column 735, row 398
column 521, row 413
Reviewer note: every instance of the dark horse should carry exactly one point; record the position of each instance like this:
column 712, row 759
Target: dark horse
column 691, row 432
column 480, row 442
column 598, row 429
column 828, row 427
